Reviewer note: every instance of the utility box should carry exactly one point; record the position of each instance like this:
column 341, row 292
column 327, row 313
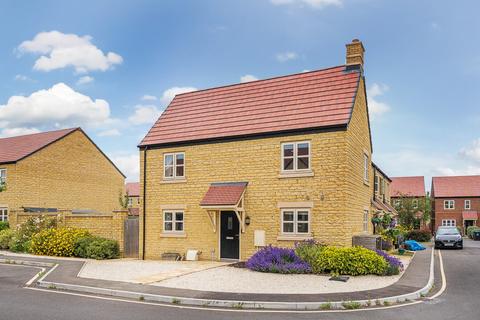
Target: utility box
column 369, row 241
column 259, row 238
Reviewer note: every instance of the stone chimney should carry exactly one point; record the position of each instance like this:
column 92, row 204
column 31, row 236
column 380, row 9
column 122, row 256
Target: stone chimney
column 355, row 52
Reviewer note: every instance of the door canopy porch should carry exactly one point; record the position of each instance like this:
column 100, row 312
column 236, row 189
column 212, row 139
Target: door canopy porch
column 469, row 215
column 226, row 196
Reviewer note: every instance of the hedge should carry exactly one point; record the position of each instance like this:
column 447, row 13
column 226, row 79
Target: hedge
column 96, row 248
column 5, row 238
column 56, row 242
column 4, row 225
column 471, row 229
column 419, row 235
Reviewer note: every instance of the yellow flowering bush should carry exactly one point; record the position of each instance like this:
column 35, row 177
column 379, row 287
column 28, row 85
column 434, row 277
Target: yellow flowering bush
column 56, row 241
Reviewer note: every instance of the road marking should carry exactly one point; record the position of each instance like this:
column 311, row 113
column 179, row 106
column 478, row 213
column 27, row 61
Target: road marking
column 444, row 278
column 222, row 309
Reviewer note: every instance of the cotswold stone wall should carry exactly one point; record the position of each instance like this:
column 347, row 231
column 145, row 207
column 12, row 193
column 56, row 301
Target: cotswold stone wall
column 109, row 226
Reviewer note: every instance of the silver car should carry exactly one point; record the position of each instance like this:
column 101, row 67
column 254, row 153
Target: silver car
column 448, row 237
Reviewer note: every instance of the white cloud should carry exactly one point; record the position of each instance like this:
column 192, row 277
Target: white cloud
column 60, row 106
column 248, row 78
column 21, row 77
column 85, row 80
column 286, row 56
column 17, row 132
column 148, row 97
column 129, row 164
column 317, row 4
column 59, row 50
column 169, row 94
column 472, row 152
column 144, row 114
column 109, row 133
column 375, row 107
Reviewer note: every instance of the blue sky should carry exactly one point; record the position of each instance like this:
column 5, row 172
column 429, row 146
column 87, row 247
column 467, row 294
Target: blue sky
column 112, row 66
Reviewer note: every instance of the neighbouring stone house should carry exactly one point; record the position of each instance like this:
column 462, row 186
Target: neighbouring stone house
column 456, row 201
column 57, row 171
column 381, row 200
column 133, row 192
column 231, row 169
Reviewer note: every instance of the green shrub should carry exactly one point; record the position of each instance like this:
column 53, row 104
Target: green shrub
column 346, row 261
column 4, row 225
column 22, row 239
column 56, row 242
column 470, row 231
column 419, row 235
column 308, row 251
column 5, row 238
column 101, row 248
column 81, row 245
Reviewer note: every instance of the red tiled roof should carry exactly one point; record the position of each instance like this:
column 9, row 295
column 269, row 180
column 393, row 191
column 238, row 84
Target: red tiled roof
column 306, row 100
column 459, row 186
column 224, row 194
column 469, row 215
column 407, row 186
column 133, row 189
column 14, row 149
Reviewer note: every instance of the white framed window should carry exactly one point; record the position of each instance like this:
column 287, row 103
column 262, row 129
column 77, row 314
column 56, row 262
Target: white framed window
column 375, row 184
column 3, row 214
column 468, row 204
column 295, row 221
column 366, row 165
column 365, row 220
column 449, row 204
column 449, row 223
column 173, row 221
column 415, row 203
column 296, row 156
column 3, row 176
column 174, row 165
column 130, row 201
column 397, row 202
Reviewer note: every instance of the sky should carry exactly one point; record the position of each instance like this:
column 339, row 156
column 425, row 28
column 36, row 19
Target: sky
column 112, row 67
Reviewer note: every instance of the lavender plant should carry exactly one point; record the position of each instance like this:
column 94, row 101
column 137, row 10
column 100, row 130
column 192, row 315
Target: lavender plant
column 277, row 260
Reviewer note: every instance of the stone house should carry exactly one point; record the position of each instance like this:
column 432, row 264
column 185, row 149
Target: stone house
column 57, row 170
column 381, row 200
column 228, row 170
column 456, row 201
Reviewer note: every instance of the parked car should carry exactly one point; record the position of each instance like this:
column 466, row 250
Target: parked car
column 448, row 237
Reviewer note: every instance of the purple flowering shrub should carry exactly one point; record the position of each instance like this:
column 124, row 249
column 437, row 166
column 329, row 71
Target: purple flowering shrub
column 277, row 260
column 394, row 264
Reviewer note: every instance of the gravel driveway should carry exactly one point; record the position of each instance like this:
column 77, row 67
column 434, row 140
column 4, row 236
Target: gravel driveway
column 230, row 279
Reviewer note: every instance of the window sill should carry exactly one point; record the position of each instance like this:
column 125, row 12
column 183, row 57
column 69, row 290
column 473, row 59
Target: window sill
column 366, row 183
column 183, row 180
column 294, row 237
column 173, row 235
column 296, row 174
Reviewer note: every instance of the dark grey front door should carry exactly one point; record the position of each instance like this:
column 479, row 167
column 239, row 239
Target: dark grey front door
column 229, row 235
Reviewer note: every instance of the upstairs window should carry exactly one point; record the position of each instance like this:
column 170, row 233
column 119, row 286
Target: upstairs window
column 366, row 165
column 174, row 165
column 376, row 184
column 468, row 205
column 3, row 176
column 296, row 156
column 130, row 201
column 449, row 204
column 415, row 204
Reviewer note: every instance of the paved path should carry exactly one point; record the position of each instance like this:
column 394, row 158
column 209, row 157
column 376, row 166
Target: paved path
column 459, row 301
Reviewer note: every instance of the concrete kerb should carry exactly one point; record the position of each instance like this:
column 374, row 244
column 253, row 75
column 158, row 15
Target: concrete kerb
column 227, row 303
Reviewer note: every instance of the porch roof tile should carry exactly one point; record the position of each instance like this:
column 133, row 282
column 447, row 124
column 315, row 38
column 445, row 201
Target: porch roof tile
column 224, row 194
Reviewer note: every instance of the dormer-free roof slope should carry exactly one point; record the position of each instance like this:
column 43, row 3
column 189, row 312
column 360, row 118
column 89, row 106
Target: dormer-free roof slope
column 133, row 189
column 309, row 100
column 456, row 186
column 14, row 149
column 407, row 186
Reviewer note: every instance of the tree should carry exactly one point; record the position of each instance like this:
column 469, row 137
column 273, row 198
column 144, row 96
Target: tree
column 412, row 212
column 123, row 199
